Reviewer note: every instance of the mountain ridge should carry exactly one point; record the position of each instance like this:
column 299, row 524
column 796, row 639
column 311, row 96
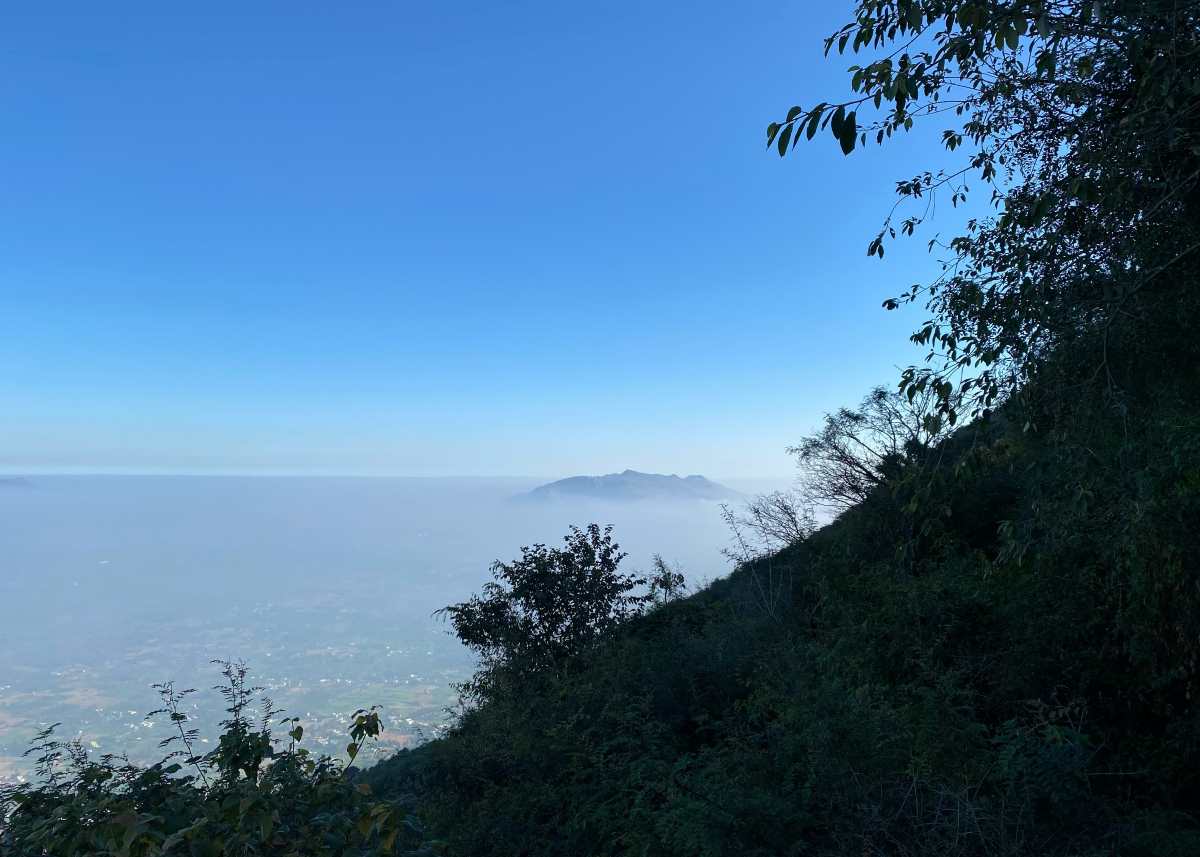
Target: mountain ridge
column 630, row 485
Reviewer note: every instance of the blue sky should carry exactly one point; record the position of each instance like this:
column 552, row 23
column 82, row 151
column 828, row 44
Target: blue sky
column 432, row 239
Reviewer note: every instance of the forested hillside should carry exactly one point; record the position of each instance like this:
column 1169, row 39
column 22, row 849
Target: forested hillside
column 993, row 649
column 998, row 660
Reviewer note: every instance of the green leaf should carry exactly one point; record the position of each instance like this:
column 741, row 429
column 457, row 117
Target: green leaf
column 783, row 139
column 814, row 121
column 849, row 133
column 1011, row 37
column 1043, row 206
column 835, row 122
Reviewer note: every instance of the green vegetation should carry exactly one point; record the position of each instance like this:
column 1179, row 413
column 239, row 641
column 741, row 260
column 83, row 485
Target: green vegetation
column 1079, row 119
column 548, row 610
column 250, row 795
column 997, row 658
column 994, row 649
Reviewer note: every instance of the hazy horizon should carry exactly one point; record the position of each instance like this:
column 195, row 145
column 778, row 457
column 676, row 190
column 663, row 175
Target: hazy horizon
column 325, row 585
column 294, row 298
column 748, row 481
column 278, row 247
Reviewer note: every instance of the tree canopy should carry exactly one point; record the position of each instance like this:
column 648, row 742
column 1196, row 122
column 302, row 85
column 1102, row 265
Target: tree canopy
column 1081, row 121
column 549, row 606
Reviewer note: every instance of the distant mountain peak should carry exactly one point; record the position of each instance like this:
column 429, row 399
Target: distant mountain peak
column 635, row 485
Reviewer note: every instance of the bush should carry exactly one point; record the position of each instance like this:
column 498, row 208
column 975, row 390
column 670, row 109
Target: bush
column 251, row 795
column 544, row 611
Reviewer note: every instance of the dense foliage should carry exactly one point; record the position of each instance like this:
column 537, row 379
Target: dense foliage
column 251, row 795
column 1006, row 666
column 1081, row 119
column 995, row 647
column 547, row 609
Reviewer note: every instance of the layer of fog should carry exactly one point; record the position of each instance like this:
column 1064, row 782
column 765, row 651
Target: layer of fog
column 106, row 579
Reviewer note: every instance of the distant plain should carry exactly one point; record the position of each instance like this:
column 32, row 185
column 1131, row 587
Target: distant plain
column 324, row 585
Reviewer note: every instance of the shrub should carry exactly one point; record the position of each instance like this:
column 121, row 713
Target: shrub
column 253, row 794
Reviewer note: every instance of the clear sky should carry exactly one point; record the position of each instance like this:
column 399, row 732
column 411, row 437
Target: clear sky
column 432, row 238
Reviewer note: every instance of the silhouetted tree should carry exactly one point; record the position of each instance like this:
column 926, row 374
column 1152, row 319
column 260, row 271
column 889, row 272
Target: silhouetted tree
column 551, row 605
column 858, row 448
column 774, row 520
column 1081, row 119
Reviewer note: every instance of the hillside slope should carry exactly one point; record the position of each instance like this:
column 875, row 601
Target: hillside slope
column 996, row 655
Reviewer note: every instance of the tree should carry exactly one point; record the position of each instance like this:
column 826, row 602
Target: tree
column 778, row 518
column 857, row 449
column 1082, row 121
column 545, row 609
